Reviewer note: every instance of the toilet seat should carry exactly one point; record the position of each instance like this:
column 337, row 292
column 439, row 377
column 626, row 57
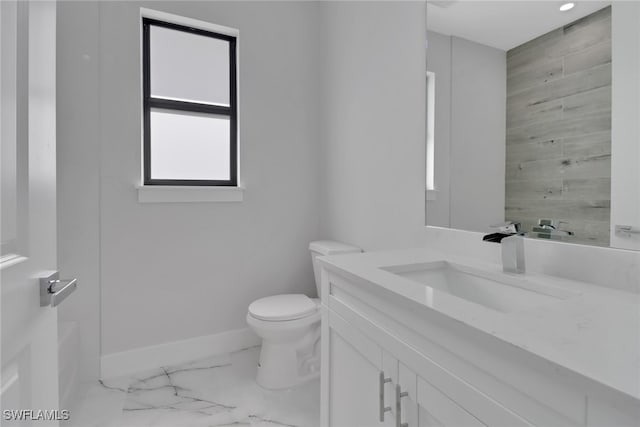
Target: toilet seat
column 279, row 308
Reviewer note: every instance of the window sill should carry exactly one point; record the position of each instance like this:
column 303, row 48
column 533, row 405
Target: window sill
column 185, row 194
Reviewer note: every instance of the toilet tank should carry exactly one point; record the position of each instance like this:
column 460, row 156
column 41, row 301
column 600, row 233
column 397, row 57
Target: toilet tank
column 327, row 247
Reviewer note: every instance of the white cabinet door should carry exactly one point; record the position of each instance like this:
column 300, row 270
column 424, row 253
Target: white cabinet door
column 437, row 409
column 354, row 386
column 423, row 405
column 358, row 394
column 407, row 408
column 29, row 377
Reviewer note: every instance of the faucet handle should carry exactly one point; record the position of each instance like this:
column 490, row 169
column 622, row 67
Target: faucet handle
column 551, row 223
column 510, row 227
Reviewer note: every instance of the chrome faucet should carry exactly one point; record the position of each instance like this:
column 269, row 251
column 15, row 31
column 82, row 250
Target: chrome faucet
column 513, row 254
column 549, row 229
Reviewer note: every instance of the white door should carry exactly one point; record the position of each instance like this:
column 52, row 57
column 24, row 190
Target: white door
column 29, row 363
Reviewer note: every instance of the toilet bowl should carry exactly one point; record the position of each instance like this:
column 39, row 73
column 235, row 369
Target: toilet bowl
column 289, row 326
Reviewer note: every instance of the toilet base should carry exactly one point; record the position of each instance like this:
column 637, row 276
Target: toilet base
column 281, row 367
column 285, row 365
column 290, row 353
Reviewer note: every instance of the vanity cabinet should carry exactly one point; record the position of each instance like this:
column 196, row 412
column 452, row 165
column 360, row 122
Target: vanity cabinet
column 385, row 364
column 368, row 386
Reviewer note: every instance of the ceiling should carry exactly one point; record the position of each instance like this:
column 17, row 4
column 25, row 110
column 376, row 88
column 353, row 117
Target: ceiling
column 503, row 24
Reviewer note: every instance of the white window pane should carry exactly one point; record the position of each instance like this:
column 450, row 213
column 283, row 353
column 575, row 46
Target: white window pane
column 431, row 108
column 189, row 146
column 188, row 67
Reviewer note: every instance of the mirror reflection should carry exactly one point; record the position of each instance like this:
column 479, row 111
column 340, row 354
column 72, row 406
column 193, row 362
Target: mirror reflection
column 530, row 108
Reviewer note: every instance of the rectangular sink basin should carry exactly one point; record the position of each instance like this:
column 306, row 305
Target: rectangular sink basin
column 493, row 290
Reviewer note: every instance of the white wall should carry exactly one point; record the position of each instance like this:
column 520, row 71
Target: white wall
column 78, row 151
column 174, row 271
column 470, row 133
column 625, row 126
column 478, row 135
column 374, row 122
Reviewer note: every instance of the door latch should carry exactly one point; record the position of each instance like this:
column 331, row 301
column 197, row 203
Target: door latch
column 53, row 290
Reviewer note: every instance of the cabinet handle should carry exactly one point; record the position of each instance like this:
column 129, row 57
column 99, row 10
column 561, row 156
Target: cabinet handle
column 381, row 383
column 399, row 395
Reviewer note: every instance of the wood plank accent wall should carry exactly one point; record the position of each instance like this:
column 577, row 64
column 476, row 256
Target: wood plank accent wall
column 558, row 157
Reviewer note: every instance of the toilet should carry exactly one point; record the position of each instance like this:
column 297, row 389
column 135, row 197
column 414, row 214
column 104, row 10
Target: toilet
column 289, row 326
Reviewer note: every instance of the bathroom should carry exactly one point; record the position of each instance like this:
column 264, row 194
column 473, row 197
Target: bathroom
column 337, row 151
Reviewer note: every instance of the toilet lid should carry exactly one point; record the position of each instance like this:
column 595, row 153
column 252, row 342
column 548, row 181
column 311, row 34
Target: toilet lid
column 282, row 307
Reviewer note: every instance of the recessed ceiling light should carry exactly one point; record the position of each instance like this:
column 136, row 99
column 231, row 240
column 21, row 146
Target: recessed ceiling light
column 567, row 6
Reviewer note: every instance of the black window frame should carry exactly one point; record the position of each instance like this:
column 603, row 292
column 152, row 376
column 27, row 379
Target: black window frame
column 191, row 107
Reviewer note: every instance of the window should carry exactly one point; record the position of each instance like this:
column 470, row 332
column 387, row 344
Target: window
column 189, row 106
column 430, row 130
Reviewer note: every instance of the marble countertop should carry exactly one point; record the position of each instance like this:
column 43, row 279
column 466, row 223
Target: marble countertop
column 593, row 330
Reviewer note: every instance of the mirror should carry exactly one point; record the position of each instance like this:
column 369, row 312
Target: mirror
column 532, row 117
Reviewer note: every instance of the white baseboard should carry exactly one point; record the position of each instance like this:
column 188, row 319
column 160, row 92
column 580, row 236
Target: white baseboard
column 171, row 353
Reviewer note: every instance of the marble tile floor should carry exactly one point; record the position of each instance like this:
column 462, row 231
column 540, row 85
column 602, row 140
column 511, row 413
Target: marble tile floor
column 215, row 391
